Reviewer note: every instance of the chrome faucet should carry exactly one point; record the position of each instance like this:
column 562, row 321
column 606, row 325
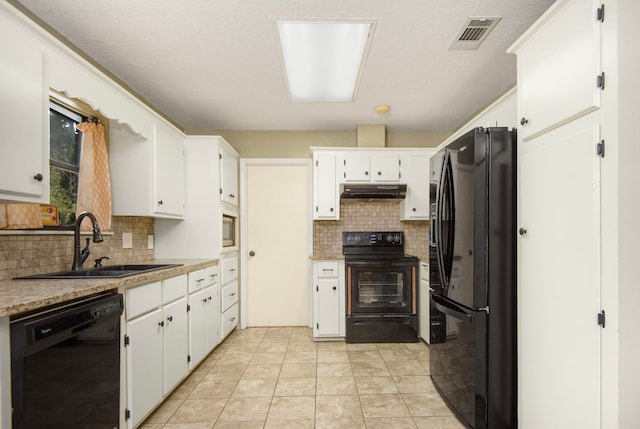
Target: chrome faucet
column 80, row 257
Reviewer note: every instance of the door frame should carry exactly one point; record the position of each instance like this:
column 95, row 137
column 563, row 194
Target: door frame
column 275, row 162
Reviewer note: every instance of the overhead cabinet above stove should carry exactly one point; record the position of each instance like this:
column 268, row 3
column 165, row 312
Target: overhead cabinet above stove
column 335, row 167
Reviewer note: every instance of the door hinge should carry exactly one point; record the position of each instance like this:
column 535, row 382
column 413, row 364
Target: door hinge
column 188, row 308
column 600, row 13
column 600, row 81
column 127, row 414
column 600, row 149
column 219, row 156
column 188, row 358
column 126, row 340
column 344, row 174
column 601, row 318
column 316, row 208
column 316, row 162
column 317, row 326
column 317, row 290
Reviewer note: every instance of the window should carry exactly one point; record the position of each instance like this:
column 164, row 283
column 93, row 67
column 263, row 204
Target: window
column 64, row 160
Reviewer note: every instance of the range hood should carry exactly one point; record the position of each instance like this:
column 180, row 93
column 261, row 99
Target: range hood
column 372, row 190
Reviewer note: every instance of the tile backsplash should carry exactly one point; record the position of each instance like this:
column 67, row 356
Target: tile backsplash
column 27, row 254
column 365, row 215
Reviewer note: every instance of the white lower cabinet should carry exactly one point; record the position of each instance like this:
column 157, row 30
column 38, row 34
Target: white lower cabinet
column 328, row 299
column 204, row 314
column 176, row 345
column 228, row 294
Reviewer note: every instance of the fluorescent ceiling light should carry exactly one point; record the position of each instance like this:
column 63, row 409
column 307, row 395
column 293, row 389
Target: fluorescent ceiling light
column 324, row 59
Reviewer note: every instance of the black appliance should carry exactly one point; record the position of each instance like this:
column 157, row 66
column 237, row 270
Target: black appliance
column 473, row 249
column 373, row 190
column 381, row 288
column 65, row 366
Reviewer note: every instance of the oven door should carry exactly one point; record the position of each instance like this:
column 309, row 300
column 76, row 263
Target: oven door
column 381, row 286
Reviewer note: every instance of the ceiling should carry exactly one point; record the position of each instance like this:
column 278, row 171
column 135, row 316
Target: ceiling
column 216, row 64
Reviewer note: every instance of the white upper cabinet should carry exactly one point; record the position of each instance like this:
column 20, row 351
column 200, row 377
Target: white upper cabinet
column 555, row 87
column 415, row 173
column 228, row 175
column 385, row 168
column 169, row 173
column 24, row 164
column 370, row 168
column 356, row 168
column 147, row 176
column 325, row 193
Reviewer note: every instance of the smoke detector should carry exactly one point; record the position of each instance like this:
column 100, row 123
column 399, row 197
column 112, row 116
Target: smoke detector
column 474, row 31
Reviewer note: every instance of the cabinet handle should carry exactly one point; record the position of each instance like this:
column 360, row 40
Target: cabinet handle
column 327, row 269
column 199, row 280
column 366, row 173
column 522, row 231
column 170, row 318
column 209, row 298
column 524, row 121
column 38, row 177
column 161, row 323
column 379, row 173
column 334, row 288
column 204, row 300
column 414, row 209
column 213, row 276
column 232, row 269
column 160, row 202
column 331, row 209
column 232, row 294
column 232, row 196
column 232, row 319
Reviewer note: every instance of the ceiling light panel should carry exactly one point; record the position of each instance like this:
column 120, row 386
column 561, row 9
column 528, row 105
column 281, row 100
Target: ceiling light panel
column 323, row 60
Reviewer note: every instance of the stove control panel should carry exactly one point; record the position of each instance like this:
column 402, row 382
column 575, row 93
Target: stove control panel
column 372, row 239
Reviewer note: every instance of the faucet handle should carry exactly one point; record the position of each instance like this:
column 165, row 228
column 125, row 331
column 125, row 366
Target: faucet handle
column 98, row 263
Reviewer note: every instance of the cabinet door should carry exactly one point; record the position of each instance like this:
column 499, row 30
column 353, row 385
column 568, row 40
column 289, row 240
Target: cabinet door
column 24, row 164
column 559, row 272
column 327, row 321
column 197, row 309
column 169, row 173
column 212, row 317
column 228, row 176
column 144, row 365
column 176, row 348
column 356, row 168
column 385, row 168
column 325, row 195
column 557, row 69
column 415, row 173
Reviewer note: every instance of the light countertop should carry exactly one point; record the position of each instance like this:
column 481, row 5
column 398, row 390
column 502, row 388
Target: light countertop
column 19, row 296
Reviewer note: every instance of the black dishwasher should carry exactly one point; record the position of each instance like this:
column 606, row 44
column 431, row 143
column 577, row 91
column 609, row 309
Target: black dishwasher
column 65, row 365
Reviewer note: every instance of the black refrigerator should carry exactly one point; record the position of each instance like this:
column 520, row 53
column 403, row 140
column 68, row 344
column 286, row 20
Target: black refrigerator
column 473, row 304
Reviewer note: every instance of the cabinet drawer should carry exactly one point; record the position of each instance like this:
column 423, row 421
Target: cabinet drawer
column 142, row 299
column 196, row 280
column 327, row 269
column 211, row 275
column 229, row 295
column 229, row 269
column 174, row 288
column 229, row 320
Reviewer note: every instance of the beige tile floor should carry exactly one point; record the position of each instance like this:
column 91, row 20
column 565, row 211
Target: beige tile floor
column 277, row 378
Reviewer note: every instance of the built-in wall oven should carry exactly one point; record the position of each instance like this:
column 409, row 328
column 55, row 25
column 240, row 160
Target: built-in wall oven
column 381, row 288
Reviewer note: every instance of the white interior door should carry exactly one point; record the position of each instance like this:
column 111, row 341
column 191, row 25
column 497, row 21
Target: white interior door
column 277, row 235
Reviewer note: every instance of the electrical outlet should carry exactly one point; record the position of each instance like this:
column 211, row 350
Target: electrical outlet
column 127, row 240
column 149, row 242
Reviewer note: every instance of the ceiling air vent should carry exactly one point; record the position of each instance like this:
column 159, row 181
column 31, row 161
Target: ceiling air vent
column 474, row 31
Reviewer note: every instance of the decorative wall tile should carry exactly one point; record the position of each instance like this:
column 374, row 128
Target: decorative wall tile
column 365, row 215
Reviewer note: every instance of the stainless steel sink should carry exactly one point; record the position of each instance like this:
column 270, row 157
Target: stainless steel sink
column 109, row 271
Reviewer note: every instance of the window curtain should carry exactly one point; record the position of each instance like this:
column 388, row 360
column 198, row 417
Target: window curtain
column 20, row 216
column 94, row 181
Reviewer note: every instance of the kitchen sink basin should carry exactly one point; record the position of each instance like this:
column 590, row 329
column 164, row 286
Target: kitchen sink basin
column 109, row 271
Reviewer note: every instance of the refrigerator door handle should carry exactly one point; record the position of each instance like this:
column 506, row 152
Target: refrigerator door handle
column 452, row 309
